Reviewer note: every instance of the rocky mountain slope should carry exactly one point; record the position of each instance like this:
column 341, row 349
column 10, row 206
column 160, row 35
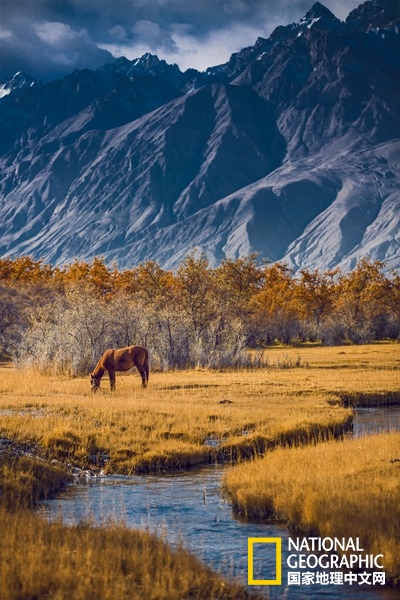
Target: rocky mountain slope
column 292, row 149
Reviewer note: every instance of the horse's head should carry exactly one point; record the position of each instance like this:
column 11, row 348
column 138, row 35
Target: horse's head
column 94, row 382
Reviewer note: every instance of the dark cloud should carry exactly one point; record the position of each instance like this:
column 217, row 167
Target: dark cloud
column 48, row 49
column 48, row 38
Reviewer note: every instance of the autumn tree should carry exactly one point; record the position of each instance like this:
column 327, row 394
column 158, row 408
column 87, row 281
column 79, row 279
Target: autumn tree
column 14, row 317
column 276, row 305
column 149, row 283
column 360, row 301
column 25, row 270
column 391, row 301
column 194, row 289
column 238, row 281
column 95, row 277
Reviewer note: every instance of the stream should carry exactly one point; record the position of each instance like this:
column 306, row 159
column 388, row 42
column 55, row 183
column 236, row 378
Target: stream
column 187, row 508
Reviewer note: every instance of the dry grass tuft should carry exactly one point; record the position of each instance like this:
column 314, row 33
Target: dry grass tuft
column 25, row 480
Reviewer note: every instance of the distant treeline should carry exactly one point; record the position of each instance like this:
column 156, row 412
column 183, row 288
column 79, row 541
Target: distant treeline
column 62, row 318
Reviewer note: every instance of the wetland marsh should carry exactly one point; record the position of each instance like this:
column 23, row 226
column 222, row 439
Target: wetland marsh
column 189, row 418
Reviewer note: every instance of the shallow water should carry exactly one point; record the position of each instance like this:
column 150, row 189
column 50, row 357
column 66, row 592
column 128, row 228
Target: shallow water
column 187, row 507
column 376, row 420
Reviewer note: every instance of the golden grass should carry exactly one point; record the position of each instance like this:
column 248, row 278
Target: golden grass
column 25, row 480
column 172, row 423
column 49, row 560
column 166, row 426
column 333, row 489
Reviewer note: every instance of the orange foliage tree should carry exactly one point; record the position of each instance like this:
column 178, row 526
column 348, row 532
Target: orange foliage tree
column 360, row 301
column 276, row 304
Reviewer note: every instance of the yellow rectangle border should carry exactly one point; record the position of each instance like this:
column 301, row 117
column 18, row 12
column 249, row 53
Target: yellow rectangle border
column 250, row 558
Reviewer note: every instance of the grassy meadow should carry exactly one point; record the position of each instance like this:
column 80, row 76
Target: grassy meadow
column 182, row 419
column 186, row 418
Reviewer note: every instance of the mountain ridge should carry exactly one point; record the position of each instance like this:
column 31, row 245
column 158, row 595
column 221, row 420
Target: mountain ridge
column 291, row 149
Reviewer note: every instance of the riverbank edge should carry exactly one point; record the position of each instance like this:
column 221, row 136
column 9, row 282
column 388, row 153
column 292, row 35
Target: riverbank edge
column 294, row 524
column 29, row 544
column 368, row 400
column 247, row 449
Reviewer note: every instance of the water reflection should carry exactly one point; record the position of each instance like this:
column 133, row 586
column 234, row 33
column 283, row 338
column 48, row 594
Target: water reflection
column 188, row 508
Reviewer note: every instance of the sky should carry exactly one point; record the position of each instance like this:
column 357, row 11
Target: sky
column 50, row 38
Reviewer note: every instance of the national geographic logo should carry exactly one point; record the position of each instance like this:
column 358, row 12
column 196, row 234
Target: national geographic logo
column 313, row 560
column 256, row 546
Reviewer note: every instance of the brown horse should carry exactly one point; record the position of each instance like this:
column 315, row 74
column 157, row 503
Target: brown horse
column 122, row 359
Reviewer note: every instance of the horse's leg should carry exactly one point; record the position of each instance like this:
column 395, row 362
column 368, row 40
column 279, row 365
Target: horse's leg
column 142, row 374
column 111, row 376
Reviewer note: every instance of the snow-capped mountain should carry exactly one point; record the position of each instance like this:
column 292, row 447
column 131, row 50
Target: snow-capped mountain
column 18, row 81
column 292, row 149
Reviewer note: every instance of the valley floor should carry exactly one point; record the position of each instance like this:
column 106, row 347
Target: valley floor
column 183, row 418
